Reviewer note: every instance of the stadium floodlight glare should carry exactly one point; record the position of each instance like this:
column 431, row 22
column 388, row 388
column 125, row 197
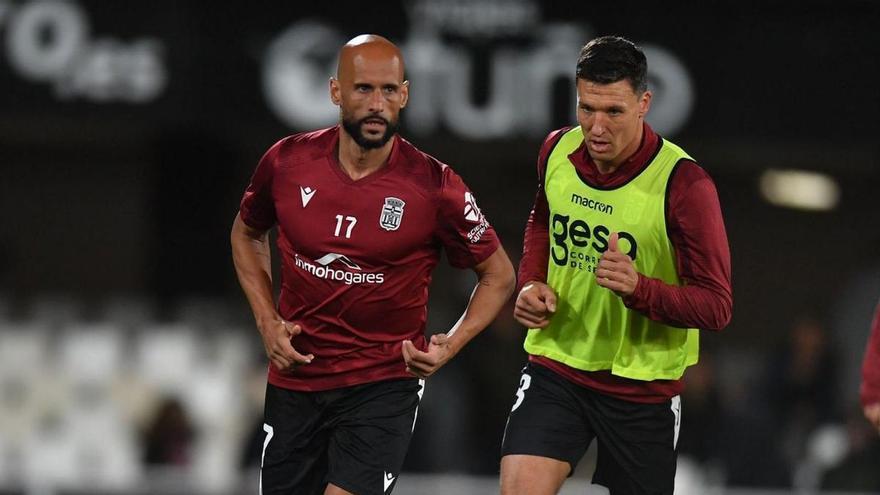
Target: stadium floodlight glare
column 800, row 189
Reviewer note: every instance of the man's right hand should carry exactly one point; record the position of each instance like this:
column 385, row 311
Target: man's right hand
column 535, row 304
column 277, row 335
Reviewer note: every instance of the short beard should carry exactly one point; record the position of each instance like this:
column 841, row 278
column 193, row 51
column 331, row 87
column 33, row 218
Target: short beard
column 353, row 127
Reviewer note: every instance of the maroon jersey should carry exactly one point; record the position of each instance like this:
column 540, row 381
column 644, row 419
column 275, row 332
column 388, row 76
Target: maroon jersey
column 357, row 256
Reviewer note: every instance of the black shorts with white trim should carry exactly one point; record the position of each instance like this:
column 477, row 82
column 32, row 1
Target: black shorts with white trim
column 555, row 418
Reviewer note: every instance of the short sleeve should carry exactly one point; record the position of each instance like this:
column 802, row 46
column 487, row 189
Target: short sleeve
column 463, row 230
column 257, row 208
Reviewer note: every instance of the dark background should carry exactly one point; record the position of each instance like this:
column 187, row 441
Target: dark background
column 99, row 198
column 103, row 197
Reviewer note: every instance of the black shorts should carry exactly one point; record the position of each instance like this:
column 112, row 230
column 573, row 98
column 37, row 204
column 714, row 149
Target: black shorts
column 354, row 437
column 553, row 417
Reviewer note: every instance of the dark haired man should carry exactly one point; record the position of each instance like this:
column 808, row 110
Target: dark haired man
column 362, row 216
column 625, row 256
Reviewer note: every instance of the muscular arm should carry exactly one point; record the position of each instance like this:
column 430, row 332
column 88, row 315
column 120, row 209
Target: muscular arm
column 696, row 229
column 495, row 281
column 252, row 258
column 494, row 286
column 536, row 247
column 251, row 255
column 535, row 300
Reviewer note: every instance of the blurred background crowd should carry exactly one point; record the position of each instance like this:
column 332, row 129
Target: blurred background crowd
column 129, row 362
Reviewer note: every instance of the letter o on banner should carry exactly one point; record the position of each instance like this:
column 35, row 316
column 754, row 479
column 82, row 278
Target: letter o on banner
column 39, row 57
column 296, row 70
column 673, row 91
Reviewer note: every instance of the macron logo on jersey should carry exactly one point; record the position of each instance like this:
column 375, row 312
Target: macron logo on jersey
column 306, row 194
column 388, row 480
column 471, row 210
column 472, row 213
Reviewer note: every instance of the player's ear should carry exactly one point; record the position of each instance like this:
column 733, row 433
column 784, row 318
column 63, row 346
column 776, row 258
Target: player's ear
column 645, row 103
column 404, row 93
column 335, row 91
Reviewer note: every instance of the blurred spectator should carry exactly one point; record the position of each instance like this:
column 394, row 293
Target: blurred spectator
column 169, row 438
column 743, row 424
column 800, row 386
column 870, row 389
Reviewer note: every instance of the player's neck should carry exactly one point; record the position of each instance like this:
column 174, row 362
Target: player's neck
column 358, row 162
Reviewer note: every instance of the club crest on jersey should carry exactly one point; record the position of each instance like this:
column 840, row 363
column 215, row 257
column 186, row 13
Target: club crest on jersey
column 392, row 213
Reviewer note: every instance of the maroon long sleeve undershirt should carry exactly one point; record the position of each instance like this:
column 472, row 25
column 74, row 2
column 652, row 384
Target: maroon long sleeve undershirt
column 870, row 389
column 696, row 229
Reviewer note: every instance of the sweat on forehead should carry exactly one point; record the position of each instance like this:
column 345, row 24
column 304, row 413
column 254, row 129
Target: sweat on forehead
column 371, row 47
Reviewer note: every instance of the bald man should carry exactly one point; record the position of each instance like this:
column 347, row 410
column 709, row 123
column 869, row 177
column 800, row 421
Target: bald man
column 361, row 217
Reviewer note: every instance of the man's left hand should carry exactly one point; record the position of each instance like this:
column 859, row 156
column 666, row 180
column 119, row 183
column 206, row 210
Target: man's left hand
column 424, row 364
column 616, row 271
